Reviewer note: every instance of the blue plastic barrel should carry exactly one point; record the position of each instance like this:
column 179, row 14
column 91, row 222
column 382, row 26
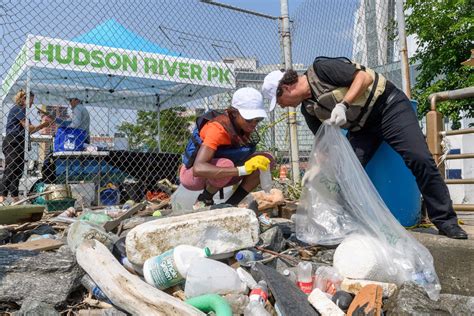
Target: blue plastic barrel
column 396, row 184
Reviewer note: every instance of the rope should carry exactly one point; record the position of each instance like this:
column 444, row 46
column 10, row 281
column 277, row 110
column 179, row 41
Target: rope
column 446, row 146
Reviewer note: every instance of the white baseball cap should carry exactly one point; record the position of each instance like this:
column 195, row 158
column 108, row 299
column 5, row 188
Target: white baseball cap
column 270, row 85
column 249, row 102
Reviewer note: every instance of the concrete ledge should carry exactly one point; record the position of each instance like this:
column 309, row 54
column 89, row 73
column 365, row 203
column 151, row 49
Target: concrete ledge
column 453, row 260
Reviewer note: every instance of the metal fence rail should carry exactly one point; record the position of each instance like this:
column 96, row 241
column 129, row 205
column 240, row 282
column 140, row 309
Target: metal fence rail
column 435, row 134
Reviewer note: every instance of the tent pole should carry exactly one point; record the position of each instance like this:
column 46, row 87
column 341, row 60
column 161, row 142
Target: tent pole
column 27, row 134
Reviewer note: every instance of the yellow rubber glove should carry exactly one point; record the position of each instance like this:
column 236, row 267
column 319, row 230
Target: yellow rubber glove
column 257, row 162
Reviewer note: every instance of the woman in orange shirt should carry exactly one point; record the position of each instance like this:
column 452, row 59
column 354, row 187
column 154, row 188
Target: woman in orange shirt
column 221, row 151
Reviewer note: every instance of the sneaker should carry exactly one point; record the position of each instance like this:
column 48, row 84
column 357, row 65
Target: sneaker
column 202, row 203
column 453, row 231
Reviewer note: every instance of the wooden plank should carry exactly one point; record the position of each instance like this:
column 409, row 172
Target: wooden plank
column 20, row 214
column 110, row 225
column 125, row 290
column 290, row 299
column 36, row 245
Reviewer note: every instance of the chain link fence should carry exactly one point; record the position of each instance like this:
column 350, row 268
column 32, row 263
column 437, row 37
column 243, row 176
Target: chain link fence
column 134, row 75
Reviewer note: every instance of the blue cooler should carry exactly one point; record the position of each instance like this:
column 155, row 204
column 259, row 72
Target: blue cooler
column 396, row 184
column 69, row 139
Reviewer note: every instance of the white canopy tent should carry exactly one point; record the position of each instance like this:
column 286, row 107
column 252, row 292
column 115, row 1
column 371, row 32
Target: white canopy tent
column 110, row 77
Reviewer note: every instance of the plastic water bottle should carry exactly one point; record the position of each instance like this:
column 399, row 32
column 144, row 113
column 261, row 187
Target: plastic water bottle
column 266, row 180
column 90, row 285
column 258, row 297
column 327, row 279
column 171, row 267
column 259, row 293
column 244, row 257
column 304, row 277
column 207, row 276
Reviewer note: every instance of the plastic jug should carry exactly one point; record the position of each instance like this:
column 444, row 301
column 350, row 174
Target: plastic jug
column 171, row 267
column 207, row 276
column 266, row 180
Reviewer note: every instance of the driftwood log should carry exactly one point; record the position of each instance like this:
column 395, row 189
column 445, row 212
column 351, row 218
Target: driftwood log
column 125, row 290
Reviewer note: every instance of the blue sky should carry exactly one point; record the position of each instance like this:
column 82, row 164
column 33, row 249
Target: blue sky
column 270, row 7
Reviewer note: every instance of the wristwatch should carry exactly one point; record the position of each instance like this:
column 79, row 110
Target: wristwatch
column 346, row 104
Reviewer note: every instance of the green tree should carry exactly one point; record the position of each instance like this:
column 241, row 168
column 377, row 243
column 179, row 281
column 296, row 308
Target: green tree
column 174, row 130
column 445, row 37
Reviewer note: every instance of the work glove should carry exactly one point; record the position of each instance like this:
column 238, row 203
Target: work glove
column 257, row 162
column 338, row 115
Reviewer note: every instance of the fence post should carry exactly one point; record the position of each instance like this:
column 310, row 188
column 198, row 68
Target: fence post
column 434, row 125
column 402, row 38
column 286, row 36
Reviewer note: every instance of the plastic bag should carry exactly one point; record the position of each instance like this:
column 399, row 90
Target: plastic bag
column 339, row 200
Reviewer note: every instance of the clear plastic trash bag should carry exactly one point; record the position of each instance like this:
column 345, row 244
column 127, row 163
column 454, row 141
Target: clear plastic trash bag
column 339, row 200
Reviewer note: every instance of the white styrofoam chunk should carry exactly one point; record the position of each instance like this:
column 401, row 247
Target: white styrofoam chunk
column 354, row 286
column 323, row 304
column 222, row 230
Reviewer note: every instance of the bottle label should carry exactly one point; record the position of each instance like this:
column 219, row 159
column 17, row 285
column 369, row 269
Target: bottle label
column 306, row 287
column 259, row 295
column 164, row 272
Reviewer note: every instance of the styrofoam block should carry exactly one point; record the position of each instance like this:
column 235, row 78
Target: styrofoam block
column 323, row 304
column 354, row 286
column 222, row 230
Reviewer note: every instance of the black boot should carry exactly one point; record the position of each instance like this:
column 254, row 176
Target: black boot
column 453, row 231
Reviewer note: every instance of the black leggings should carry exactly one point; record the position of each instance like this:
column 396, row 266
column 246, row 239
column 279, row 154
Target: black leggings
column 14, row 150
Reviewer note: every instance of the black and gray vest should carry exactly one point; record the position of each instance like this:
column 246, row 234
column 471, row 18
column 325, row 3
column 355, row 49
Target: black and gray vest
column 326, row 96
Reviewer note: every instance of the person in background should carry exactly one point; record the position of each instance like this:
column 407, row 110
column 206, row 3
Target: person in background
column 80, row 118
column 13, row 145
column 221, row 151
column 373, row 110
